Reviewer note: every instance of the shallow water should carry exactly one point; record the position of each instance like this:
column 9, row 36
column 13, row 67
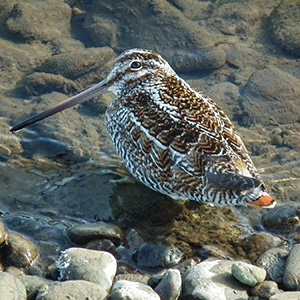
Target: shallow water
column 64, row 170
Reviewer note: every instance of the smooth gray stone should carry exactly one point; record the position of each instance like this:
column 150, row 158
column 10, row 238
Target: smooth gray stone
column 11, row 287
column 291, row 275
column 212, row 280
column 73, row 289
column 169, row 287
column 90, row 265
column 130, row 290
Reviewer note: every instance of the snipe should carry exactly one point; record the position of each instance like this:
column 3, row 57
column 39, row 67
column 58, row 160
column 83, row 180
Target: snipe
column 172, row 138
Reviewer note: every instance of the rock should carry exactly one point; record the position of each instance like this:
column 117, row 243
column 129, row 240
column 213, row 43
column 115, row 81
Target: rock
column 25, row 20
column 284, row 26
column 77, row 61
column 33, row 284
column 19, row 252
column 291, row 275
column 286, row 296
column 270, row 97
column 169, row 287
column 211, row 280
column 129, row 290
column 3, row 234
column 248, row 274
column 82, row 234
column 18, row 60
column 90, row 265
column 39, row 83
column 283, row 219
column 157, row 255
column 186, row 45
column 11, row 287
column 273, row 261
column 265, row 290
column 258, row 243
column 73, row 289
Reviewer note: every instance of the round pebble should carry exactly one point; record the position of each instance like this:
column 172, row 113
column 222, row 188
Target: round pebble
column 82, row 234
column 248, row 274
column 90, row 265
column 130, row 290
column 19, row 252
column 265, row 290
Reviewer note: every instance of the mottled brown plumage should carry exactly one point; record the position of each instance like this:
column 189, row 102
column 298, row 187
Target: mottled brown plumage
column 171, row 137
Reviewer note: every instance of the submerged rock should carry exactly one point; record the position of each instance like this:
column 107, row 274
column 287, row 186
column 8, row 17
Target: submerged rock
column 53, row 21
column 284, row 26
column 19, row 252
column 81, row 234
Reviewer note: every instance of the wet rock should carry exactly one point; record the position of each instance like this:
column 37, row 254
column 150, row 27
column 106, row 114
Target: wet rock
column 211, row 280
column 270, row 97
column 3, row 234
column 73, row 289
column 283, row 219
column 33, row 284
column 44, row 147
column 256, row 244
column 273, row 261
column 11, row 287
column 39, row 83
column 187, row 264
column 291, row 275
column 25, row 20
column 19, row 252
column 187, row 46
column 248, row 274
column 102, row 245
column 157, row 255
column 16, row 60
column 94, row 266
column 81, row 234
column 169, row 287
column 284, row 26
column 130, row 290
column 286, row 296
column 265, row 290
column 78, row 61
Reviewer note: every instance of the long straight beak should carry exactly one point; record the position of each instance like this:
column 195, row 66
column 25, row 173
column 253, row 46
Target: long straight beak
column 86, row 95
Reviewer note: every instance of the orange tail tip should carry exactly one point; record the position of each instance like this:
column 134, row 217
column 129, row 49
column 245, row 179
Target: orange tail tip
column 264, row 201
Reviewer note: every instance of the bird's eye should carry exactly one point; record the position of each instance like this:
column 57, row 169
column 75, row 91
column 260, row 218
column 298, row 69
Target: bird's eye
column 136, row 65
